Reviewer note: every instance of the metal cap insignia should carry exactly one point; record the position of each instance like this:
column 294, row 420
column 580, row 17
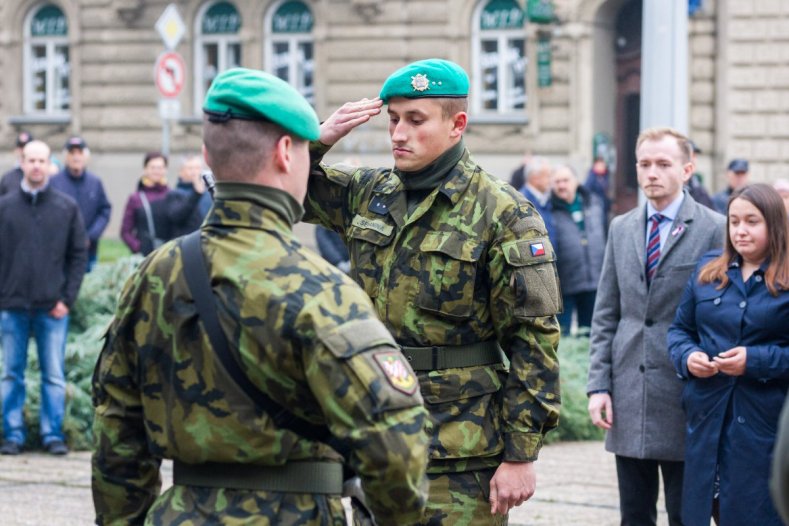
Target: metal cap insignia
column 419, row 82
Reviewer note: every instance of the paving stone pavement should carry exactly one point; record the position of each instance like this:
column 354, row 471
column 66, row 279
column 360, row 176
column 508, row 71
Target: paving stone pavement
column 576, row 485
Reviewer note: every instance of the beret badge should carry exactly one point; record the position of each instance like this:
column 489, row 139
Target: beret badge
column 419, row 82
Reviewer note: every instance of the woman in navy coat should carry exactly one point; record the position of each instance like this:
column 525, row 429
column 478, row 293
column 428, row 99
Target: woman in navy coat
column 730, row 341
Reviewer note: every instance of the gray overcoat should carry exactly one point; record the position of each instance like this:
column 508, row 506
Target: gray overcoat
column 628, row 350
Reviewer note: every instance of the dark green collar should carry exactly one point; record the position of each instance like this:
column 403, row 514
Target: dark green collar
column 433, row 174
column 277, row 200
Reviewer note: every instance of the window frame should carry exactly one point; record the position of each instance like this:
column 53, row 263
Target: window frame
column 296, row 76
column 51, row 43
column 223, row 41
column 503, row 38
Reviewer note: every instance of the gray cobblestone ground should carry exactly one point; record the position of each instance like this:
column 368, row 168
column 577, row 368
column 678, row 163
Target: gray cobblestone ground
column 576, row 485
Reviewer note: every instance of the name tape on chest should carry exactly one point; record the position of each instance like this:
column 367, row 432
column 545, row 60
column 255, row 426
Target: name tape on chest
column 372, row 224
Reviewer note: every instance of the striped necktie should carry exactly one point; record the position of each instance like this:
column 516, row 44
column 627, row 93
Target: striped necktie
column 653, row 246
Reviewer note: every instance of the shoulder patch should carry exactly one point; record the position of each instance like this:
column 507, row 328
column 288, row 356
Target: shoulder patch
column 396, row 371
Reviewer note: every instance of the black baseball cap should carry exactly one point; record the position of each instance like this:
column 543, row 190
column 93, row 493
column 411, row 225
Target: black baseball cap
column 738, row 165
column 75, row 142
column 23, row 138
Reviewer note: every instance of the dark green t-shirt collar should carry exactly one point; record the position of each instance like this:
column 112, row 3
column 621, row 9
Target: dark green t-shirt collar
column 275, row 199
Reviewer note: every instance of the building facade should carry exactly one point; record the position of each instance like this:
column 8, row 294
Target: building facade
column 559, row 79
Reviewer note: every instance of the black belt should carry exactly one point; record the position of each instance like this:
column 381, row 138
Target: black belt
column 294, row 477
column 449, row 356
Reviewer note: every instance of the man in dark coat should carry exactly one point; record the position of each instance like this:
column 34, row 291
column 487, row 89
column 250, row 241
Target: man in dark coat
column 580, row 244
column 87, row 190
column 43, row 253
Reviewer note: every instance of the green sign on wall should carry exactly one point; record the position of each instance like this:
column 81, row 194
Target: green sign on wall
column 540, row 11
column 292, row 17
column 49, row 21
column 544, row 59
column 501, row 14
column 221, row 18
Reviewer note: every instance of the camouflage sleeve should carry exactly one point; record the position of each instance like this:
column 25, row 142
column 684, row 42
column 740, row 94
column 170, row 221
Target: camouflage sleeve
column 524, row 300
column 125, row 477
column 376, row 409
column 326, row 200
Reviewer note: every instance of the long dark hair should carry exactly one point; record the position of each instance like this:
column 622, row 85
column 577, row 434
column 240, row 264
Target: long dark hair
column 770, row 204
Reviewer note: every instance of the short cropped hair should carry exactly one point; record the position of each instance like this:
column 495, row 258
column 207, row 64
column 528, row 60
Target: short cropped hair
column 655, row 134
column 238, row 149
column 451, row 106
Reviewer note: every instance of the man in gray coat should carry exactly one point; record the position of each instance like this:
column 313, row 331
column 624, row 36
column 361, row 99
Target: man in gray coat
column 634, row 392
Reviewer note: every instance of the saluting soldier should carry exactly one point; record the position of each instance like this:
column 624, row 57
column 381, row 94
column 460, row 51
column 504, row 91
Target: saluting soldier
column 459, row 267
column 299, row 331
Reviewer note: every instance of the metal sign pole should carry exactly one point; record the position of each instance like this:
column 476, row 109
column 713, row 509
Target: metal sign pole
column 170, row 70
column 166, row 137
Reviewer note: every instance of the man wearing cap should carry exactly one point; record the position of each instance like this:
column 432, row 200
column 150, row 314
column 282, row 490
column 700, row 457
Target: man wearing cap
column 460, row 268
column 309, row 374
column 13, row 177
column 42, row 261
column 87, row 190
column 736, row 178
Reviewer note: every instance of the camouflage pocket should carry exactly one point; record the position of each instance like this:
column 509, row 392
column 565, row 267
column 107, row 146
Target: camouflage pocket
column 366, row 241
column 448, row 274
column 534, row 277
column 464, row 410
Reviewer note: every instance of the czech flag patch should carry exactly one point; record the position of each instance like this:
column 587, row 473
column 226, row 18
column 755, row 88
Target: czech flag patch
column 537, row 249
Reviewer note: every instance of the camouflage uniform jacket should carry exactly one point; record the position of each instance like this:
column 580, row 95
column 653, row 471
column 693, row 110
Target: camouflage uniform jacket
column 471, row 263
column 303, row 332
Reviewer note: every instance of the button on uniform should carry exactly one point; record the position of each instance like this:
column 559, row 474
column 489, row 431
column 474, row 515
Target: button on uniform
column 743, row 303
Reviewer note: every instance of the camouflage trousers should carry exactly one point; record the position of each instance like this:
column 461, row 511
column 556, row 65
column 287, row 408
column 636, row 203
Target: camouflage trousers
column 460, row 499
column 194, row 506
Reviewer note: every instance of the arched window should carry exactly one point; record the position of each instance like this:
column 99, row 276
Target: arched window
column 499, row 58
column 46, row 61
column 217, row 45
column 289, row 45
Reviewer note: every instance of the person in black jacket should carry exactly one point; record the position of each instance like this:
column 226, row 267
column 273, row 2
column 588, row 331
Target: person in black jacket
column 43, row 256
column 188, row 203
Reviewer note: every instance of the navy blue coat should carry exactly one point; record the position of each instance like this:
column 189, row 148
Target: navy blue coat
column 88, row 191
column 731, row 421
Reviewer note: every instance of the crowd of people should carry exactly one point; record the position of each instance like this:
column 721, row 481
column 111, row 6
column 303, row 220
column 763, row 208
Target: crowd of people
column 52, row 215
column 264, row 372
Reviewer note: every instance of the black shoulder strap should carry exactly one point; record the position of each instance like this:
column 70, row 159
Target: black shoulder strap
column 199, row 283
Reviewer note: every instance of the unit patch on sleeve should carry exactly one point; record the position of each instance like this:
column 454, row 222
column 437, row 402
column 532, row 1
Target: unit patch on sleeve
column 397, row 371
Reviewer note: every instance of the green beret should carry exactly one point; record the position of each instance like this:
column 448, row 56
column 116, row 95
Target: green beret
column 253, row 95
column 426, row 78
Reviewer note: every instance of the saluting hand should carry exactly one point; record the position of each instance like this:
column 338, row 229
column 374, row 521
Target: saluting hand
column 349, row 116
column 732, row 362
column 700, row 366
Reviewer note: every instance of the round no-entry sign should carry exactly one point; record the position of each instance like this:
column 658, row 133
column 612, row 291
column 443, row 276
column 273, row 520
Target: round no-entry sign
column 169, row 74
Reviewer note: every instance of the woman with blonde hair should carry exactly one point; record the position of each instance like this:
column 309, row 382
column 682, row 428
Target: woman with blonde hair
column 730, row 342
